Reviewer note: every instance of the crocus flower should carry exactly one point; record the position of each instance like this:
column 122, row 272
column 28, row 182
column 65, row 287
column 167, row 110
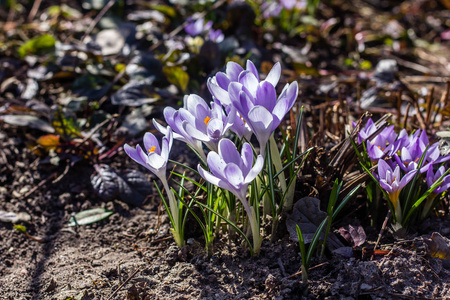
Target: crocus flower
column 175, row 122
column 234, row 172
column 381, row 144
column 392, row 182
column 218, row 84
column 196, row 122
column 367, row 131
column 153, row 157
column 258, row 104
column 196, row 27
column 290, row 4
column 433, row 177
column 271, row 9
column 216, row 35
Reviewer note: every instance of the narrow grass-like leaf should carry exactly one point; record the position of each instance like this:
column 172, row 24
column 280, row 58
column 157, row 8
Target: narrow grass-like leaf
column 89, row 216
column 230, row 223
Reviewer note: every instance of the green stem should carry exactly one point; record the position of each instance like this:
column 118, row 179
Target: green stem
column 177, row 229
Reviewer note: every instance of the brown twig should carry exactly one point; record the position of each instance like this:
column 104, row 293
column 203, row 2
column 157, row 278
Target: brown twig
column 122, row 285
column 43, row 182
column 310, row 269
column 383, row 228
column 97, row 18
column 34, row 10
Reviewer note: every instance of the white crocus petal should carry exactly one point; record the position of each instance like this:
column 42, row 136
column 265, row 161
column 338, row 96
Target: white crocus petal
column 234, row 175
column 250, row 66
column 249, row 81
column 274, row 75
column 256, row 169
column 208, row 176
column 194, row 132
column 218, row 92
column 260, row 120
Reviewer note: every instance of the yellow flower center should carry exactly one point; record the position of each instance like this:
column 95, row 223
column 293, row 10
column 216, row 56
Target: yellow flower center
column 152, row 149
column 206, row 120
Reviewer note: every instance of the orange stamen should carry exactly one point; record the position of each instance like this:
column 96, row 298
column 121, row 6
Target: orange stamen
column 152, row 149
column 207, row 120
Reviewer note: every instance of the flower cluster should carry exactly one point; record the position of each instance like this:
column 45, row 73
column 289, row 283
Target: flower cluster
column 273, row 8
column 402, row 159
column 243, row 104
column 196, row 27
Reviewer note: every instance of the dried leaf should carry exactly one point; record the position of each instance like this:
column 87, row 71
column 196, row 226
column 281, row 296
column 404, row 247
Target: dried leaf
column 28, row 120
column 308, row 216
column 438, row 246
column 49, row 141
column 135, row 93
column 90, row 216
column 11, row 217
column 355, row 235
column 177, row 76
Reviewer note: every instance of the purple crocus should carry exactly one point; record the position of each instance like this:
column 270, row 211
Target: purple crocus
column 431, row 180
column 216, row 35
column 367, row 131
column 196, row 27
column 433, row 177
column 197, row 123
column 153, row 157
column 392, row 182
column 290, row 4
column 234, row 172
column 381, row 144
column 218, row 84
column 258, row 104
column 271, row 9
column 203, row 123
column 175, row 122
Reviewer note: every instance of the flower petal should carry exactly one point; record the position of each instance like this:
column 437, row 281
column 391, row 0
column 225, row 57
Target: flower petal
column 150, row 141
column 256, row 169
column 383, row 169
column 407, row 178
column 216, row 164
column 233, row 70
column 218, row 92
column 228, row 152
column 247, row 158
column 261, row 120
column 166, row 144
column 234, row 175
column 251, row 67
column 274, row 75
column 266, row 95
column 133, row 154
column 249, row 80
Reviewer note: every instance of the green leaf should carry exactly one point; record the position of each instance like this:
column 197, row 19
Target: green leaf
column 89, row 216
column 165, row 9
column 41, row 44
column 177, row 76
